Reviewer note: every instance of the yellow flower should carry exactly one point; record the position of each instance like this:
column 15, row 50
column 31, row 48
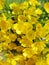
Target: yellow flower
column 31, row 35
column 46, row 7
column 19, row 49
column 19, row 27
column 13, row 62
column 14, row 7
column 30, row 11
column 40, row 46
column 5, row 63
column 47, row 59
column 3, row 25
column 34, row 2
column 47, row 38
column 10, row 23
column 38, row 11
column 47, row 25
column 38, row 26
column 27, row 27
column 30, row 62
column 21, row 62
column 12, row 37
column 39, row 30
column 22, row 18
column 19, row 57
column 23, row 5
column 22, row 27
column 11, row 46
column 41, row 62
column 34, row 49
column 22, row 37
column 32, row 20
column 25, row 42
column 2, row 16
column 27, row 52
column 2, row 4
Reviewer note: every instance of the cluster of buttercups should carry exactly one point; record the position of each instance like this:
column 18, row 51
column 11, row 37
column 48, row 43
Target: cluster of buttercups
column 23, row 39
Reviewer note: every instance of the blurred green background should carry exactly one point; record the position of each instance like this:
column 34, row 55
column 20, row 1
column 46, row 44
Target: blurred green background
column 7, row 2
column 19, row 1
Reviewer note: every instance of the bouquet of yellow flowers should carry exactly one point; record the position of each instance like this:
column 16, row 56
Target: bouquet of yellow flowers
column 24, row 33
